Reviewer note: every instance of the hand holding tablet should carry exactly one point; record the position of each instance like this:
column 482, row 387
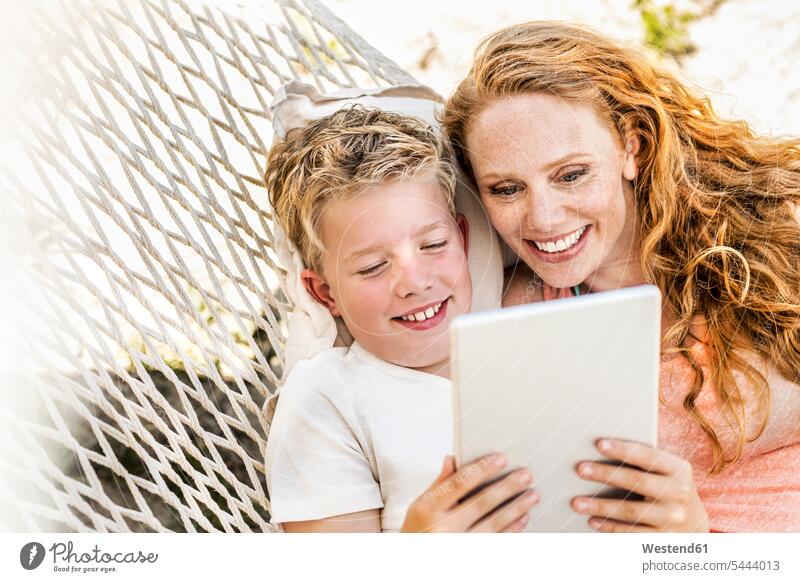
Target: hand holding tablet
column 664, row 482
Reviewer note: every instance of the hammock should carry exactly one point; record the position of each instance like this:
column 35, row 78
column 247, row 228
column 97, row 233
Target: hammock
column 158, row 335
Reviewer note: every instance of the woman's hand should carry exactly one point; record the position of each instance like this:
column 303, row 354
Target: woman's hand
column 671, row 502
column 441, row 509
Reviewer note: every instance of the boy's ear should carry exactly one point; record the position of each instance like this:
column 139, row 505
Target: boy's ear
column 319, row 290
column 463, row 226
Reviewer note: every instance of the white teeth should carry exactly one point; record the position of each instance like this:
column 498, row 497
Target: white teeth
column 423, row 315
column 561, row 245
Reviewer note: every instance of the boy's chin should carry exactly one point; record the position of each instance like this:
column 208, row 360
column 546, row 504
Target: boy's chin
column 431, row 367
column 424, row 357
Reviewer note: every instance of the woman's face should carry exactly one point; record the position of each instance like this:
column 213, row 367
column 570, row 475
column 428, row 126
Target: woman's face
column 555, row 181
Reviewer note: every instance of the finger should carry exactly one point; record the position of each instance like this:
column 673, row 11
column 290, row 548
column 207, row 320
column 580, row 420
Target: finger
column 646, row 484
column 487, row 500
column 519, row 525
column 611, row 526
column 631, row 512
column 448, row 468
column 643, row 456
column 470, row 476
column 507, row 515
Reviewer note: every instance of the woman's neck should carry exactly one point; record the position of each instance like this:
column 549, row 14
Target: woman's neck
column 622, row 267
column 615, row 274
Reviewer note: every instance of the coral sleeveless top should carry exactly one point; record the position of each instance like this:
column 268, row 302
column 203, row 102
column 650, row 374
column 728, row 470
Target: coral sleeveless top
column 761, row 491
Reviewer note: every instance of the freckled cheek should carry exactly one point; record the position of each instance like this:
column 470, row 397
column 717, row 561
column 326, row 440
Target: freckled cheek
column 606, row 209
column 506, row 219
column 594, row 208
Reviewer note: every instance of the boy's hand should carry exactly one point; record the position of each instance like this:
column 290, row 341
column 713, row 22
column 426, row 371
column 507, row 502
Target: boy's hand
column 438, row 509
column 671, row 502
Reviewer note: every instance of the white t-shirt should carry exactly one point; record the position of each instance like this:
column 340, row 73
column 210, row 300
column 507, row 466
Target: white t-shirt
column 353, row 432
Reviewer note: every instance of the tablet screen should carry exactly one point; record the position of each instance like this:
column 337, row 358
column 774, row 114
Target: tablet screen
column 543, row 382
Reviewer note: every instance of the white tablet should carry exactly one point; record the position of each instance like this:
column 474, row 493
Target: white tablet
column 543, row 382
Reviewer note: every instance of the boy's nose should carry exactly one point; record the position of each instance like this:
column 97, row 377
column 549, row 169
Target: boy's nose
column 413, row 279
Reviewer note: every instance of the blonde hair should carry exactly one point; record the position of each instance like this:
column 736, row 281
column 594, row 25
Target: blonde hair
column 342, row 155
column 715, row 202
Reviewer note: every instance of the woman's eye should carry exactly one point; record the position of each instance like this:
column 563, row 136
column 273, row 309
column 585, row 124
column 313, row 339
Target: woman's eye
column 572, row 176
column 371, row 270
column 436, row 245
column 505, row 190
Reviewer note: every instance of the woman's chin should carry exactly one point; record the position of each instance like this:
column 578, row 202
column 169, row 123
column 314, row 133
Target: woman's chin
column 560, row 280
column 563, row 284
column 562, row 275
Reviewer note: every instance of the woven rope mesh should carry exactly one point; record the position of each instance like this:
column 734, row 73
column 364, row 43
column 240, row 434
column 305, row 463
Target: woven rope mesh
column 143, row 134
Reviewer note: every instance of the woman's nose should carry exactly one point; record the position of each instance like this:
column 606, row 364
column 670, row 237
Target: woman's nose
column 545, row 211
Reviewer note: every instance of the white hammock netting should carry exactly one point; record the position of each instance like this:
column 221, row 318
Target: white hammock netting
column 143, row 134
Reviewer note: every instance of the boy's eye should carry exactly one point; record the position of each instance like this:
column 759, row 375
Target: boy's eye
column 371, row 270
column 436, row 245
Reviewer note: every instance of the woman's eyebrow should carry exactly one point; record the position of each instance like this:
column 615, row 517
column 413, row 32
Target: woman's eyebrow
column 503, row 175
column 566, row 158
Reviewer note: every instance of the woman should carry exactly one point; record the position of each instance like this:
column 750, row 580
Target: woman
column 601, row 171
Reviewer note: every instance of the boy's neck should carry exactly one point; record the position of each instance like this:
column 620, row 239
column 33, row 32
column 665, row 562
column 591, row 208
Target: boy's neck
column 441, row 369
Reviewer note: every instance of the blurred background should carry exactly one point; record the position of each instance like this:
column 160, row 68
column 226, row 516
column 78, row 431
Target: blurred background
column 744, row 53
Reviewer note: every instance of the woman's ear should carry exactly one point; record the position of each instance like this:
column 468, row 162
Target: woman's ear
column 463, row 226
column 319, row 289
column 630, row 163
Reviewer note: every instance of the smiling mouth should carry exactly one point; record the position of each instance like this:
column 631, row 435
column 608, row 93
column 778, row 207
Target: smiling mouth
column 555, row 251
column 562, row 244
column 425, row 319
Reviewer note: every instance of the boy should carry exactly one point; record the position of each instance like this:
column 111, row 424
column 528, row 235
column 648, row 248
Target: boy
column 367, row 198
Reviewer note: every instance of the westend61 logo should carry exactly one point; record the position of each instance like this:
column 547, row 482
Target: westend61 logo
column 66, row 559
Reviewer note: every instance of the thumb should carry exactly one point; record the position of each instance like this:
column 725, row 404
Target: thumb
column 448, row 468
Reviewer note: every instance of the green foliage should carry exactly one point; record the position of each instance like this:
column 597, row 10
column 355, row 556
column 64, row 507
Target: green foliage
column 666, row 28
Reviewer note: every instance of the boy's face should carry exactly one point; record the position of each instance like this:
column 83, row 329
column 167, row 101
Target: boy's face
column 394, row 251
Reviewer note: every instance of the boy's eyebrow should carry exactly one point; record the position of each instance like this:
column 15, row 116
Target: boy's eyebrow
column 376, row 246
